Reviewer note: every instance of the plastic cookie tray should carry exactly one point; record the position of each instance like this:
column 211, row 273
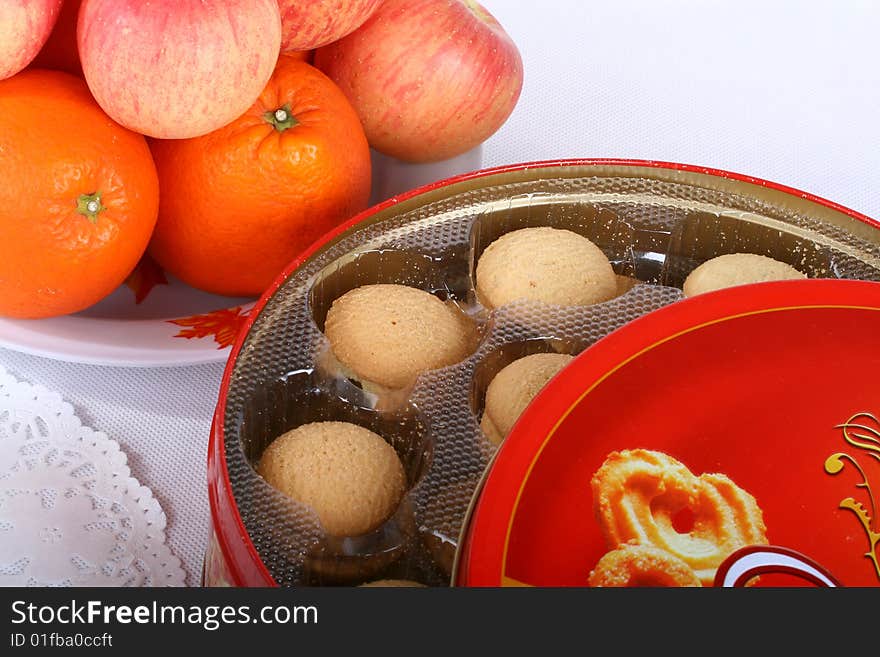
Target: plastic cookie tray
column 655, row 221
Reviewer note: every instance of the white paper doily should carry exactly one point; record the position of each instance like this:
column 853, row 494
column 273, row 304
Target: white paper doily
column 70, row 512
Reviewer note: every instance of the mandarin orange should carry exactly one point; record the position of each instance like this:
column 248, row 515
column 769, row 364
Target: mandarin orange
column 238, row 204
column 79, row 197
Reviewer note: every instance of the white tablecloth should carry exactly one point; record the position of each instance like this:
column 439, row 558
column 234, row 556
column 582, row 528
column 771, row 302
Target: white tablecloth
column 784, row 90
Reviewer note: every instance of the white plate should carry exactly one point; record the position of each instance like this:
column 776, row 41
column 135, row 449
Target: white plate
column 173, row 325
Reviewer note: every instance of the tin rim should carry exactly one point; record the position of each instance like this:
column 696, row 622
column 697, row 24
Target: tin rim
column 227, row 523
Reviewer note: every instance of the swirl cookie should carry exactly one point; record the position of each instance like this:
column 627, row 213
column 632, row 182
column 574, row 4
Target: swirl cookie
column 349, row 476
column 548, row 265
column 638, row 494
column 737, row 269
column 513, row 388
column 632, row 564
column 386, row 335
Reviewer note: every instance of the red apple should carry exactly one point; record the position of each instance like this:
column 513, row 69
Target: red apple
column 60, row 53
column 175, row 69
column 308, row 24
column 430, row 79
column 24, row 27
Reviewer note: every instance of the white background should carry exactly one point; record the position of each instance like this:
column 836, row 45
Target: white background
column 779, row 89
column 786, row 91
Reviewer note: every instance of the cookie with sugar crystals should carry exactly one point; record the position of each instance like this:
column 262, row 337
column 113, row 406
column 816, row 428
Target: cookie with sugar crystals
column 348, row 475
column 388, row 334
column 513, row 388
column 548, row 265
column 737, row 269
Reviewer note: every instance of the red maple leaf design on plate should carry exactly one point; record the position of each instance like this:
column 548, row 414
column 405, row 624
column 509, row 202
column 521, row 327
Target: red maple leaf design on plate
column 146, row 275
column 223, row 325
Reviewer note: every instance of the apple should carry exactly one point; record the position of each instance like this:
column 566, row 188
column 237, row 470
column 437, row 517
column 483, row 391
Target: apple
column 309, row 24
column 175, row 69
column 430, row 79
column 24, row 27
column 60, row 53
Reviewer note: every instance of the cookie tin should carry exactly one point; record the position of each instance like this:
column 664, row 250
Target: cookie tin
column 654, row 221
column 738, row 431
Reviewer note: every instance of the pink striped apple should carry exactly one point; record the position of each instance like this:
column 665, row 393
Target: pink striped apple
column 175, row 69
column 24, row 27
column 430, row 79
column 310, row 24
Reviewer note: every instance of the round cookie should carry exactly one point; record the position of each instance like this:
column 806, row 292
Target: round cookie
column 548, row 265
column 348, row 475
column 389, row 334
column 392, row 583
column 625, row 283
column 513, row 388
column 736, row 269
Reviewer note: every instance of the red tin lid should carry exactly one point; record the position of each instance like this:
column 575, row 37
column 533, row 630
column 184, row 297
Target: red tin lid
column 774, row 386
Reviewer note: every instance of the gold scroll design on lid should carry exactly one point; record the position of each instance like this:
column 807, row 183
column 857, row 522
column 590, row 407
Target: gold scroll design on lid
column 861, row 431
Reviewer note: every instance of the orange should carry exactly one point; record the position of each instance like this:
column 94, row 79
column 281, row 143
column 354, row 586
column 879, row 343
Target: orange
column 79, row 197
column 238, row 204
column 60, row 52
